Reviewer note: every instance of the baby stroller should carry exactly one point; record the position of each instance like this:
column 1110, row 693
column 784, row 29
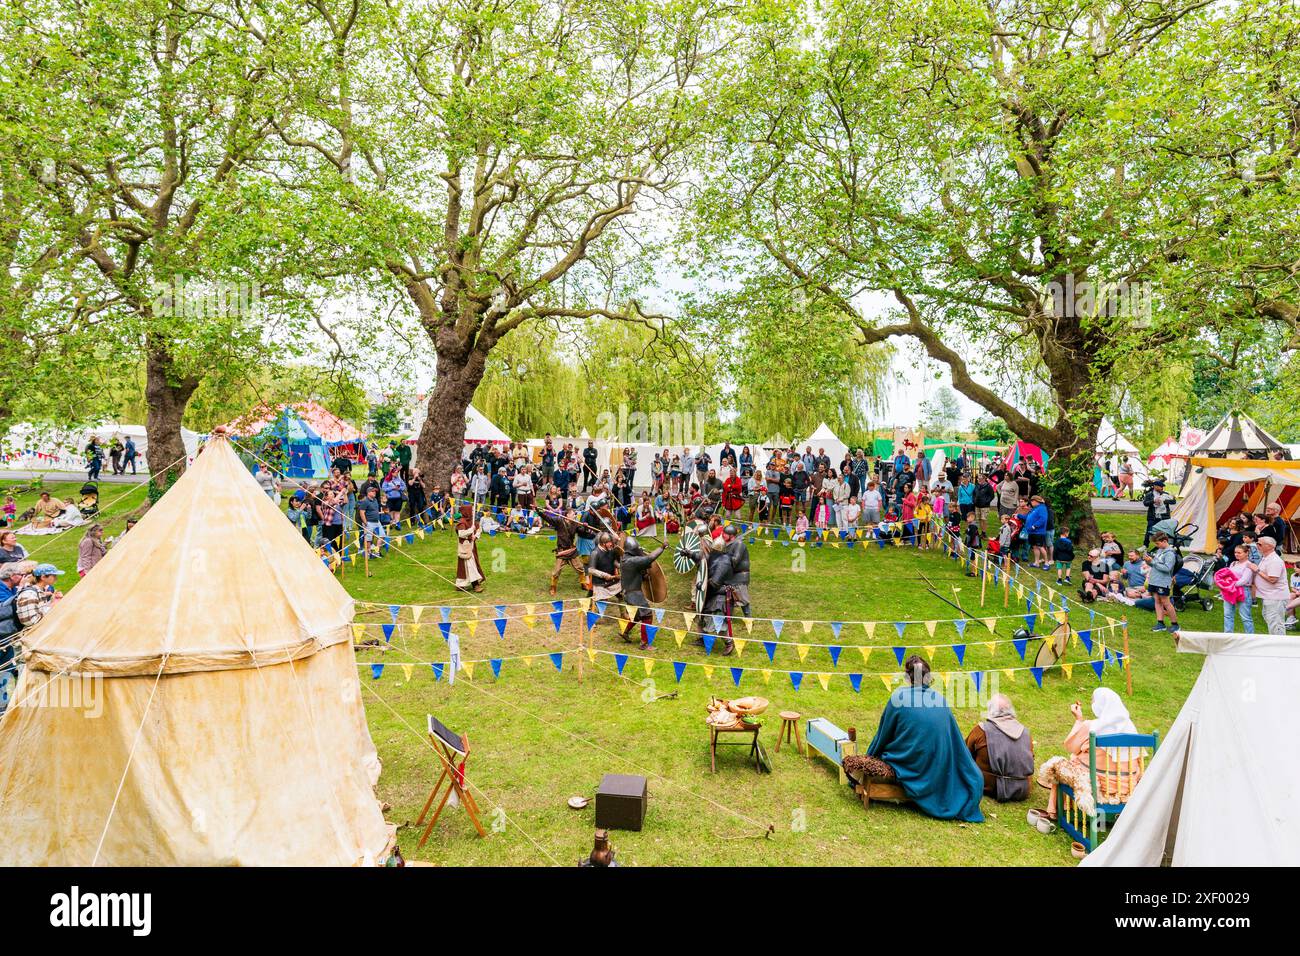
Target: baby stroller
column 89, row 504
column 1180, row 536
column 1193, row 581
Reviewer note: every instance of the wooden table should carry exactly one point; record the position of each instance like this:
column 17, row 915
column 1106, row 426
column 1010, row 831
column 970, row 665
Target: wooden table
column 741, row 728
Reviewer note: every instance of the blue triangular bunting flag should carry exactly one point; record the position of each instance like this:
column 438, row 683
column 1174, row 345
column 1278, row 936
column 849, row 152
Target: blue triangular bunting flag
column 899, row 652
column 735, row 675
column 900, row 626
column 679, row 668
column 388, row 632
column 796, row 678
column 1097, row 667
column 558, row 660
column 1020, row 646
column 835, row 627
column 394, row 609
column 650, row 631
column 960, row 651
column 856, row 681
column 445, row 628
column 496, row 666
column 557, row 618
column 776, row 627
column 500, row 622
column 445, row 612
column 1086, row 638
column 620, row 661
column 835, row 655
column 978, row 678
column 708, row 642
column 1038, row 675
column 770, row 647
column 592, row 618
column 437, row 671
column 1030, row 621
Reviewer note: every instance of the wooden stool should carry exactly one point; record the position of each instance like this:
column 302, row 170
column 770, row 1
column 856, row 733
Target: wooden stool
column 789, row 731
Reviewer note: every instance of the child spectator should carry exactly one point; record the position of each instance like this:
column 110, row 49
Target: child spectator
column 1063, row 553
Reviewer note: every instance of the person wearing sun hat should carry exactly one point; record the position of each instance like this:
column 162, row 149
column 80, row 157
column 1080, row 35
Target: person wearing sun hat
column 32, row 601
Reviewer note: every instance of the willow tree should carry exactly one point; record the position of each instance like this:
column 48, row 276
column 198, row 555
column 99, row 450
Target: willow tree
column 484, row 156
column 140, row 122
column 1028, row 183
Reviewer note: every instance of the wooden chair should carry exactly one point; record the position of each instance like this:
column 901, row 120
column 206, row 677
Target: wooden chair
column 448, row 746
column 1111, row 786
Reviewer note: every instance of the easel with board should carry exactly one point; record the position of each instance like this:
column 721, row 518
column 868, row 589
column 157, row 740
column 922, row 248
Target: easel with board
column 448, row 746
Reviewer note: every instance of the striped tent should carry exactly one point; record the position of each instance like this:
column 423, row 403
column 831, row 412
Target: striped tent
column 1237, row 436
column 1219, row 489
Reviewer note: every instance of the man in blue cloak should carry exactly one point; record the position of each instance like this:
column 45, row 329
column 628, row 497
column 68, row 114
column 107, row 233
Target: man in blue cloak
column 919, row 738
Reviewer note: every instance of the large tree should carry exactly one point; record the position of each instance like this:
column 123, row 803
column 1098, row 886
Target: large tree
column 140, row 121
column 998, row 168
column 491, row 158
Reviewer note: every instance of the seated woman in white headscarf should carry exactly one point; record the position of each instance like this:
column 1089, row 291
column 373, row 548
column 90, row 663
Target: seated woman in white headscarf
column 1111, row 717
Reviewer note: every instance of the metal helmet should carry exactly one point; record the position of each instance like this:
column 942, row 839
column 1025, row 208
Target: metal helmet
column 631, row 546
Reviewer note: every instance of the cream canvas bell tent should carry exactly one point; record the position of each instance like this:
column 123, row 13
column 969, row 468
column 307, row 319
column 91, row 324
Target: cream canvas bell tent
column 214, row 715
column 1221, row 790
column 1216, row 490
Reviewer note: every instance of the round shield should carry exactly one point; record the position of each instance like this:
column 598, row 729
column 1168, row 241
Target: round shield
column 701, row 589
column 690, row 539
column 1052, row 649
column 655, row 585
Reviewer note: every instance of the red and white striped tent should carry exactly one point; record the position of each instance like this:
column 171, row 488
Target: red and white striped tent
column 1218, row 489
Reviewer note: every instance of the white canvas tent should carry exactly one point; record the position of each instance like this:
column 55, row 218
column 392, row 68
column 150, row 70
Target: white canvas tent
column 223, row 723
column 823, row 437
column 1221, row 790
column 1218, row 489
column 478, row 427
column 1109, row 440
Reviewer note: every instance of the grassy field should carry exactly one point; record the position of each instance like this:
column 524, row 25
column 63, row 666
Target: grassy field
column 540, row 736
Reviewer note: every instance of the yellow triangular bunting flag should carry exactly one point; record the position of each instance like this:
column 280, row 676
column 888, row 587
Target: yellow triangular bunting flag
column 407, row 670
column 803, row 650
column 416, row 611
column 824, row 680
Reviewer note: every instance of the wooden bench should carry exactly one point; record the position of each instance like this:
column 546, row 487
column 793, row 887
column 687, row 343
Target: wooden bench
column 834, row 744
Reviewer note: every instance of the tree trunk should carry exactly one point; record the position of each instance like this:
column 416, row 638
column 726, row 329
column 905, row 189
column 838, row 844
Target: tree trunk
column 442, row 439
column 166, row 396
